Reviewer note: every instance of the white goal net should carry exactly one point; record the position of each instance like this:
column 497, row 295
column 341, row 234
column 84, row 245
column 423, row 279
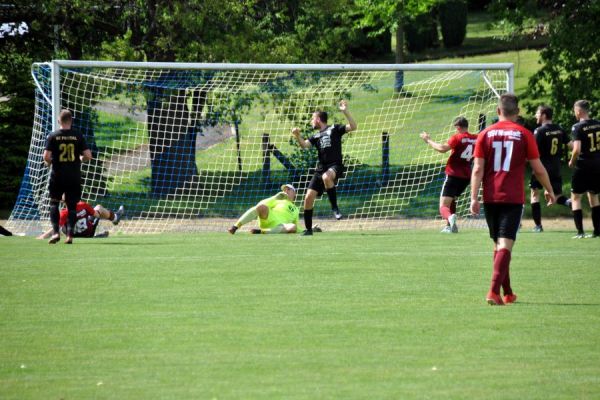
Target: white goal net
column 189, row 147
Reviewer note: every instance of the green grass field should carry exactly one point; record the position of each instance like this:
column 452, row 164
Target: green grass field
column 338, row 315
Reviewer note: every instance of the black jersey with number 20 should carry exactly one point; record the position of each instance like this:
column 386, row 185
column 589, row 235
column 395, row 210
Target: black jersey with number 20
column 66, row 146
column 329, row 145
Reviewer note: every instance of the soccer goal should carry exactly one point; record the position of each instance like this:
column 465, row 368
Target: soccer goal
column 189, row 147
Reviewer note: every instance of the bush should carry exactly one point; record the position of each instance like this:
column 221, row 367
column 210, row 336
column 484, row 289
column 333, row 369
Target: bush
column 453, row 20
column 421, row 32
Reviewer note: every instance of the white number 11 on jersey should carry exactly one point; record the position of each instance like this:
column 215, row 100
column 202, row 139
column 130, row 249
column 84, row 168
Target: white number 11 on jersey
column 508, row 145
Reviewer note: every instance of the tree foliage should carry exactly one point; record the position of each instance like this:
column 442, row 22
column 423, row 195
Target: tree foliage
column 309, row 31
column 571, row 61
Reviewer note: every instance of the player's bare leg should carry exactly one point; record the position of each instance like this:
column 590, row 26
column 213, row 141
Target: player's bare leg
column 329, row 183
column 446, row 205
column 595, row 206
column 309, row 202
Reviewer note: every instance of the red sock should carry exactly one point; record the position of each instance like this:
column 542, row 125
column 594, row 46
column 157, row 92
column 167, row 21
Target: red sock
column 501, row 263
column 445, row 211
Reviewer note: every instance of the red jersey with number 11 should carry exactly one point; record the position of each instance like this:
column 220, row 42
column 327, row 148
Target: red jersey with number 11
column 505, row 146
column 459, row 162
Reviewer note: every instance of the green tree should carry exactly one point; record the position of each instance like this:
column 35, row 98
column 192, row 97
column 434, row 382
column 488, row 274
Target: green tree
column 571, row 61
column 392, row 15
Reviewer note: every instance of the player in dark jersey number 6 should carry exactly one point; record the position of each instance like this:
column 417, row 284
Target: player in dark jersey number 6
column 330, row 167
column 458, row 169
column 551, row 140
column 65, row 150
column 501, row 153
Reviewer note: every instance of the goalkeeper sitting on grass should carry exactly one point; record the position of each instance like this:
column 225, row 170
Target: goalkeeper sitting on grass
column 277, row 214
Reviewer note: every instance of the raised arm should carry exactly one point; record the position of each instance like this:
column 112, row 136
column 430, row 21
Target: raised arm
column 441, row 147
column 351, row 126
column 303, row 143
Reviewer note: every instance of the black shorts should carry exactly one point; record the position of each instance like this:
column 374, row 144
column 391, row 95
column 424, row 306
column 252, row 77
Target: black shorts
column 555, row 181
column 70, row 188
column 454, row 186
column 584, row 181
column 316, row 183
column 503, row 220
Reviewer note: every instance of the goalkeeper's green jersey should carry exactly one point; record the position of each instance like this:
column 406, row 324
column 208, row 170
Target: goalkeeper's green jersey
column 281, row 211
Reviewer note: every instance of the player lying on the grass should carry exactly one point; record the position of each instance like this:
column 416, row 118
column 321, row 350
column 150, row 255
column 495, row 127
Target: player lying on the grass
column 277, row 214
column 458, row 169
column 330, row 168
column 87, row 220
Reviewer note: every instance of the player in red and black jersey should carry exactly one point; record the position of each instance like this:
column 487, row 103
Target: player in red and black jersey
column 458, row 169
column 586, row 161
column 501, row 152
column 328, row 142
column 87, row 220
column 552, row 141
column 65, row 150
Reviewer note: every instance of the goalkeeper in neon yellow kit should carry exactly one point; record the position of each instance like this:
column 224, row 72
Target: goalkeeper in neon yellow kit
column 277, row 214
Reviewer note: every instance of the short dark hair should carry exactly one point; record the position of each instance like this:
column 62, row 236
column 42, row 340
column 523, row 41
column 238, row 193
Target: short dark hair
column 583, row 104
column 65, row 117
column 461, row 121
column 322, row 116
column 508, row 104
column 546, row 110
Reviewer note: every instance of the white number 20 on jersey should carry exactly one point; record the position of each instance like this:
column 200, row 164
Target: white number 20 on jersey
column 498, row 156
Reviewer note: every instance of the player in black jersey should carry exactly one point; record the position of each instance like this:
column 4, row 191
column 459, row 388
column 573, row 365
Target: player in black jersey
column 551, row 140
column 65, row 149
column 330, row 168
column 586, row 161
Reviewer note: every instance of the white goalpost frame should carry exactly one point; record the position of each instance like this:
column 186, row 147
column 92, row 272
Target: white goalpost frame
column 56, row 66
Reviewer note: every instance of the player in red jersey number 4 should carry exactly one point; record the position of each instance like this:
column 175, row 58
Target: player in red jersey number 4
column 458, row 169
column 501, row 153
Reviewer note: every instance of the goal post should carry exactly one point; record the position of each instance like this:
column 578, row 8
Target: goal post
column 190, row 146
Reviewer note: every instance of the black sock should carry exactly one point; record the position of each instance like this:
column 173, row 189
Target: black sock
column 72, row 209
column 536, row 213
column 562, row 200
column 308, row 214
column 578, row 218
column 596, row 219
column 54, row 215
column 332, row 194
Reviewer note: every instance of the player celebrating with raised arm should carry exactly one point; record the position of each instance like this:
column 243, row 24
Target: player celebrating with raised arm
column 330, row 168
column 65, row 150
column 586, row 161
column 551, row 140
column 277, row 214
column 501, row 152
column 458, row 169
column 87, row 220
